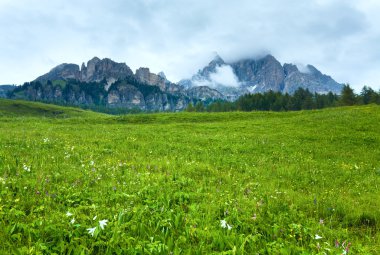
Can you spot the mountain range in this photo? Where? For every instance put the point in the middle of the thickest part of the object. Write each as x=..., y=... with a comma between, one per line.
x=111, y=84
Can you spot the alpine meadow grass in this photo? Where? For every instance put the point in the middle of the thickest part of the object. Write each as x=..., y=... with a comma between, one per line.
x=78, y=182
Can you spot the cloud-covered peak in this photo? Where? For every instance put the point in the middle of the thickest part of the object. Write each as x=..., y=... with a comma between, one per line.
x=225, y=76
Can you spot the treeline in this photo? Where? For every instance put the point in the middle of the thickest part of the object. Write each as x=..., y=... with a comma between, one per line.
x=302, y=99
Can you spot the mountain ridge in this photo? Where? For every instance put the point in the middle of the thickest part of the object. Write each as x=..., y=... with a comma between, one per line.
x=112, y=84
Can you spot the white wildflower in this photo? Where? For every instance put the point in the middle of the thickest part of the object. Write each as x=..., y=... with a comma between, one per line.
x=317, y=237
x=103, y=223
x=229, y=227
x=94, y=217
x=72, y=221
x=223, y=223
x=26, y=168
x=68, y=214
x=91, y=231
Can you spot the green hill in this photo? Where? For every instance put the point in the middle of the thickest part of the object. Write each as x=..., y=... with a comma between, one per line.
x=20, y=108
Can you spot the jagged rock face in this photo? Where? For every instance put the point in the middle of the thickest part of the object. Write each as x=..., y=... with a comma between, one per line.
x=203, y=93
x=145, y=76
x=162, y=75
x=211, y=67
x=313, y=80
x=61, y=72
x=98, y=70
x=260, y=75
x=289, y=69
x=126, y=96
x=55, y=94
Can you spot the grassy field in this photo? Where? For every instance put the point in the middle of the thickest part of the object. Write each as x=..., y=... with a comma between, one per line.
x=77, y=182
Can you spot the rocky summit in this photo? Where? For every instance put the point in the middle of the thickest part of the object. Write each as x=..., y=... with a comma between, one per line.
x=262, y=75
x=95, y=71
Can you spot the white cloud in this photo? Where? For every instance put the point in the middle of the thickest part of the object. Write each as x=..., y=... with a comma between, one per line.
x=339, y=37
x=225, y=76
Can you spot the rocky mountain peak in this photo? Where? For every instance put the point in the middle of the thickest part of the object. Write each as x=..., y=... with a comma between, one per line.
x=211, y=67
x=93, y=61
x=96, y=70
x=162, y=75
x=61, y=72
x=258, y=75
x=217, y=61
x=313, y=70
x=289, y=69
x=144, y=75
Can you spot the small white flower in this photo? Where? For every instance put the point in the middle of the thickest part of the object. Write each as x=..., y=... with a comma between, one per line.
x=317, y=237
x=68, y=214
x=103, y=223
x=223, y=223
x=229, y=227
x=91, y=231
x=94, y=217
x=26, y=168
x=92, y=162
x=72, y=221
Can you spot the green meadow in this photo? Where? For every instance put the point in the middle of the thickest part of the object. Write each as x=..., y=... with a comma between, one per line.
x=79, y=182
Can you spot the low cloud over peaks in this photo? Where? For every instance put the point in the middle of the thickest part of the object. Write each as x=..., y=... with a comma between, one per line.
x=225, y=76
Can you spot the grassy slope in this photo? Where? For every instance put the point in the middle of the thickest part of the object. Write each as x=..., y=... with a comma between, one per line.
x=20, y=108
x=164, y=182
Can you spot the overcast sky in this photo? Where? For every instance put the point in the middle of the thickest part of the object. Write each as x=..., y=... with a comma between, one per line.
x=340, y=37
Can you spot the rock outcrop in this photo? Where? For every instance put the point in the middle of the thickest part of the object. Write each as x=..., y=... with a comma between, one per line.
x=260, y=75
x=145, y=76
x=95, y=71
x=204, y=93
x=312, y=79
x=61, y=72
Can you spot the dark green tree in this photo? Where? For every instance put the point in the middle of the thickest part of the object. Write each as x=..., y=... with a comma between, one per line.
x=368, y=95
x=199, y=107
x=348, y=96
x=190, y=108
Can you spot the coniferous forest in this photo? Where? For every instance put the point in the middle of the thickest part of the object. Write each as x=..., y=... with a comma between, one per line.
x=302, y=99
